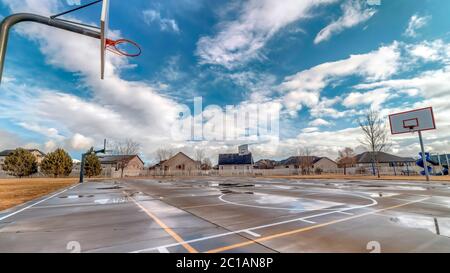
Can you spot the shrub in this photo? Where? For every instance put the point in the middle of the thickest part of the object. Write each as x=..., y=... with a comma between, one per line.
x=20, y=163
x=92, y=166
x=57, y=163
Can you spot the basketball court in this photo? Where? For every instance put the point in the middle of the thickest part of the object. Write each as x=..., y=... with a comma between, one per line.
x=233, y=215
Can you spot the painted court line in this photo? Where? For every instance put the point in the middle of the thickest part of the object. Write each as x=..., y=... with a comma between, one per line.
x=346, y=213
x=254, y=234
x=37, y=203
x=278, y=235
x=166, y=229
x=204, y=206
x=307, y=221
x=257, y=227
x=163, y=250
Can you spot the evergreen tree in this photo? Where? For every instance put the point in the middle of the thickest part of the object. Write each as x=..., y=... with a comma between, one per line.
x=57, y=163
x=20, y=163
x=92, y=166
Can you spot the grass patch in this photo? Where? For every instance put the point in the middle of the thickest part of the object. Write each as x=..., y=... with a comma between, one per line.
x=14, y=192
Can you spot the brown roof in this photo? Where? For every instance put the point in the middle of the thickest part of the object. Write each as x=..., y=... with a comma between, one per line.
x=113, y=159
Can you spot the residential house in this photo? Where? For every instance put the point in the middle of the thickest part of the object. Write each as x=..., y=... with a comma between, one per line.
x=388, y=163
x=308, y=164
x=37, y=153
x=179, y=164
x=265, y=164
x=236, y=164
x=121, y=165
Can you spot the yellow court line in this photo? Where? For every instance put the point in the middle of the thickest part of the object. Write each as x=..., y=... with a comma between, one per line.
x=278, y=235
x=167, y=229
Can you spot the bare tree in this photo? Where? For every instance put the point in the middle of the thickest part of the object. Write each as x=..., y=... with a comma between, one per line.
x=304, y=160
x=375, y=136
x=346, y=158
x=124, y=148
x=199, y=155
x=206, y=164
x=163, y=154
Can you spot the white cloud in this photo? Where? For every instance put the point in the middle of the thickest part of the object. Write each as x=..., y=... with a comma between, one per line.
x=319, y=122
x=304, y=87
x=45, y=131
x=432, y=51
x=374, y=98
x=416, y=22
x=80, y=142
x=310, y=129
x=242, y=39
x=354, y=13
x=165, y=24
x=429, y=83
x=73, y=2
x=50, y=146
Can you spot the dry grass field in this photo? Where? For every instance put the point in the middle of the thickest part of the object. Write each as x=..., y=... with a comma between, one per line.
x=17, y=191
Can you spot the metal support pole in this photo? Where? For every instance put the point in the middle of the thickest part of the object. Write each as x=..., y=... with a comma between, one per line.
x=440, y=165
x=83, y=158
x=83, y=162
x=424, y=158
x=436, y=224
x=11, y=20
x=448, y=165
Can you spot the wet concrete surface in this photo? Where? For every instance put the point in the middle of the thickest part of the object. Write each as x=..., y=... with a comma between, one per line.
x=233, y=215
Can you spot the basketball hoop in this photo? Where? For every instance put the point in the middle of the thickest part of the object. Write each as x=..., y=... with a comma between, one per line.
x=411, y=129
x=112, y=46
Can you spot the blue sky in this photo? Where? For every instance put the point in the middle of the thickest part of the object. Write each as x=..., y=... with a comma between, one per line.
x=322, y=63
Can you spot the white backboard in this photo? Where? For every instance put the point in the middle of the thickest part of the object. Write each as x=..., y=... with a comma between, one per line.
x=104, y=20
x=412, y=121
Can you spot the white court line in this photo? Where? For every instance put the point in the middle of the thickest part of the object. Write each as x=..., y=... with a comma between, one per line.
x=221, y=198
x=346, y=213
x=254, y=234
x=163, y=250
x=306, y=221
x=423, y=202
x=36, y=203
x=374, y=202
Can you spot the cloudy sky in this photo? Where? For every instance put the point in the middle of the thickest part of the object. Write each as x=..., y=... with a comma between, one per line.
x=322, y=63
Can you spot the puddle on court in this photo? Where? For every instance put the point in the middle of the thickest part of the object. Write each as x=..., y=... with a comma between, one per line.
x=110, y=188
x=273, y=201
x=76, y=196
x=423, y=222
x=381, y=194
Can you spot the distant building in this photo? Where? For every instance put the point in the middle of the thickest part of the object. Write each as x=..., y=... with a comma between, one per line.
x=384, y=159
x=177, y=164
x=234, y=164
x=309, y=164
x=112, y=165
x=265, y=164
x=365, y=162
x=37, y=153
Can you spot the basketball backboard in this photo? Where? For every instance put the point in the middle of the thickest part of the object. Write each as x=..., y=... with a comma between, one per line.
x=104, y=20
x=412, y=121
